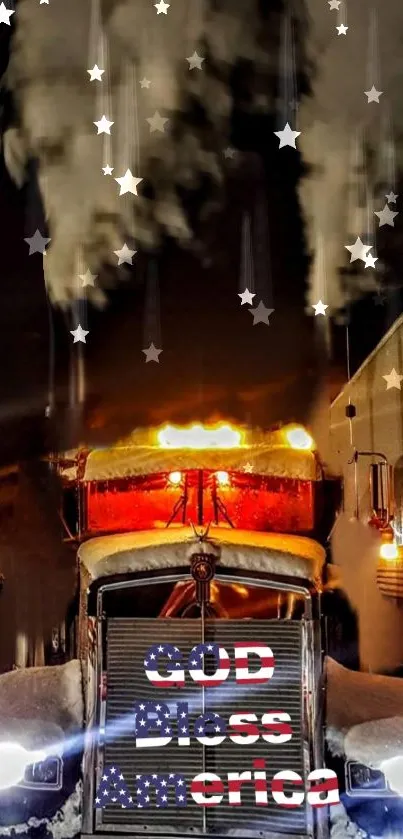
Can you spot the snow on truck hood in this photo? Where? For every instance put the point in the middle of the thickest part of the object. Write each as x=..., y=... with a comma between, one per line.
x=293, y=556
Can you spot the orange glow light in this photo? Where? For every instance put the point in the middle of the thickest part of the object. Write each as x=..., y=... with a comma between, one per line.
x=222, y=479
x=298, y=438
x=198, y=436
x=175, y=478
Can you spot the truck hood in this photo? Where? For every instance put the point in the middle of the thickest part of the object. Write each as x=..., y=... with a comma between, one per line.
x=293, y=556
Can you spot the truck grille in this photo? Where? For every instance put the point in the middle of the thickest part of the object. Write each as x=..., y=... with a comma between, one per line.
x=127, y=643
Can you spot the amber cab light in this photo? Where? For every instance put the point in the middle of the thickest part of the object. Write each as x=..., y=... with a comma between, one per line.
x=175, y=478
x=389, y=550
x=198, y=436
x=297, y=438
x=222, y=479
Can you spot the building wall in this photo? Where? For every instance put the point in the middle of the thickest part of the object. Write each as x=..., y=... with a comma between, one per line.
x=378, y=426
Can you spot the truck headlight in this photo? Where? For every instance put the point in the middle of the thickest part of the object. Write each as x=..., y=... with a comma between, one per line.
x=392, y=768
x=14, y=760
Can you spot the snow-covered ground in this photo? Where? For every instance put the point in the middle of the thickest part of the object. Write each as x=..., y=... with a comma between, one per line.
x=65, y=824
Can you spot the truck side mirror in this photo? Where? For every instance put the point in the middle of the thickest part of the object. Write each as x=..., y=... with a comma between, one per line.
x=381, y=490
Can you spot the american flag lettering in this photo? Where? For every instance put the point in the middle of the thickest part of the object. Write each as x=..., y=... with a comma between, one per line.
x=207, y=788
x=210, y=724
x=207, y=784
x=183, y=724
x=160, y=723
x=242, y=650
x=329, y=785
x=154, y=728
x=176, y=675
x=277, y=789
x=196, y=662
x=113, y=790
x=145, y=784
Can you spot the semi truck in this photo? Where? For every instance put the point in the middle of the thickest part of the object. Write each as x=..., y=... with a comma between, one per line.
x=208, y=541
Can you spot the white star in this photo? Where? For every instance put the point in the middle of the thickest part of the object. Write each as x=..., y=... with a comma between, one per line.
x=195, y=61
x=107, y=170
x=157, y=122
x=373, y=94
x=358, y=250
x=342, y=29
x=246, y=297
x=370, y=261
x=5, y=14
x=391, y=197
x=229, y=153
x=334, y=4
x=37, y=243
x=287, y=136
x=386, y=216
x=320, y=308
x=248, y=467
x=96, y=74
x=261, y=314
x=393, y=380
x=128, y=183
x=104, y=125
x=88, y=278
x=79, y=335
x=161, y=7
x=145, y=83
x=125, y=255
x=152, y=353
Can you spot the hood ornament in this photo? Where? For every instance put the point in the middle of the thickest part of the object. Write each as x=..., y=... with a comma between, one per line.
x=202, y=566
x=202, y=536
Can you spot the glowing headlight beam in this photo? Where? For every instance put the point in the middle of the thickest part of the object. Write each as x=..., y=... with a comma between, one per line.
x=126, y=724
x=392, y=768
x=14, y=760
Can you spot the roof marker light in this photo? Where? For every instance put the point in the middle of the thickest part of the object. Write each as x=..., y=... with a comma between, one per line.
x=298, y=438
x=198, y=436
x=175, y=478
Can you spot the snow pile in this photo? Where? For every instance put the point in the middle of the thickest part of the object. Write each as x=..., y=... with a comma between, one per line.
x=65, y=824
x=50, y=694
x=354, y=698
x=373, y=742
x=341, y=826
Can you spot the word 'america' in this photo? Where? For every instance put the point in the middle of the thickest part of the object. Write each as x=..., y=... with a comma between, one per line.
x=207, y=788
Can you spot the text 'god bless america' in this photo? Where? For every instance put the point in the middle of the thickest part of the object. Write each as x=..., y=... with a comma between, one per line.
x=156, y=724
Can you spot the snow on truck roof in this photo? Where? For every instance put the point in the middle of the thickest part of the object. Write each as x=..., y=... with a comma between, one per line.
x=125, y=461
x=285, y=555
x=286, y=452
